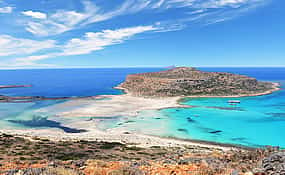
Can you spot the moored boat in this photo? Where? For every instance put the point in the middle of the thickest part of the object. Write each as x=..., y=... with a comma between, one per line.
x=233, y=101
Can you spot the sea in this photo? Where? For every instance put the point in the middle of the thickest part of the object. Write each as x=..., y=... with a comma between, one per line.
x=255, y=122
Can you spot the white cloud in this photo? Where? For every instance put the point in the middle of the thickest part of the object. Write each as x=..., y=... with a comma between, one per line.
x=180, y=3
x=46, y=28
x=92, y=41
x=158, y=4
x=223, y=3
x=63, y=21
x=68, y=18
x=97, y=41
x=31, y=59
x=6, y=9
x=56, y=23
x=17, y=46
x=37, y=15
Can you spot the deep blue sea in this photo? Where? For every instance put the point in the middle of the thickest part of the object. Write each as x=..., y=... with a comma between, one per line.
x=256, y=121
x=67, y=82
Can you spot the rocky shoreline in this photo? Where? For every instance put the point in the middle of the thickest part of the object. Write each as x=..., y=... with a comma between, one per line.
x=275, y=87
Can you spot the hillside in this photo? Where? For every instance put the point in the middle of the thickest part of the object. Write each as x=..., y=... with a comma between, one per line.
x=40, y=156
x=187, y=81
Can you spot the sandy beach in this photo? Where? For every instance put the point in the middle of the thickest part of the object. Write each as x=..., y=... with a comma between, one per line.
x=114, y=105
x=121, y=136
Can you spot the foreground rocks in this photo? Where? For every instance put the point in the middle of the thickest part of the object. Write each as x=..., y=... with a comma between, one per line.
x=274, y=164
x=185, y=81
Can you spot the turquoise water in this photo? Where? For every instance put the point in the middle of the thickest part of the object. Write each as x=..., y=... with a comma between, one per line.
x=256, y=121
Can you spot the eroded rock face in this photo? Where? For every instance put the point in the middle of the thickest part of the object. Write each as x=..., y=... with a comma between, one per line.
x=185, y=81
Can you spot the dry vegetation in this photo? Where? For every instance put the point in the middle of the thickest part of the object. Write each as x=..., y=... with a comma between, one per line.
x=19, y=156
x=185, y=81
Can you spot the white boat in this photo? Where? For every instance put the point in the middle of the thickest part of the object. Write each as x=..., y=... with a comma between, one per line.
x=233, y=101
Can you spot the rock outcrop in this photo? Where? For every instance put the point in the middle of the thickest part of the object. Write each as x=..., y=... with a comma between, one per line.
x=186, y=81
x=274, y=164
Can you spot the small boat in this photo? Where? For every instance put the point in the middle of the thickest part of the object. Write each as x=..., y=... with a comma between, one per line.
x=233, y=101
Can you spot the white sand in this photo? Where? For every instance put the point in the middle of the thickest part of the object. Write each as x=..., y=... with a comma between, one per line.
x=117, y=105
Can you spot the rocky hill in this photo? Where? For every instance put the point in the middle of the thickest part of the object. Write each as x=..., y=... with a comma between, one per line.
x=187, y=81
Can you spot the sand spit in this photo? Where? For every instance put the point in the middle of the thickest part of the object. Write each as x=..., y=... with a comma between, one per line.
x=128, y=105
x=116, y=105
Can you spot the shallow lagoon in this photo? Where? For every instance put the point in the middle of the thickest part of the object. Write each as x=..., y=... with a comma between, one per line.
x=256, y=121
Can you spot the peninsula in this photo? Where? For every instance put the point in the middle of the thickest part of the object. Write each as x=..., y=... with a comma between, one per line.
x=164, y=89
x=187, y=81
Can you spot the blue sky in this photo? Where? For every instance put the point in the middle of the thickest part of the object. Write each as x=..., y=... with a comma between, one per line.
x=141, y=33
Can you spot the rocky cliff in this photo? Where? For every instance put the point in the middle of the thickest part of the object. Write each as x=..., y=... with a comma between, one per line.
x=186, y=81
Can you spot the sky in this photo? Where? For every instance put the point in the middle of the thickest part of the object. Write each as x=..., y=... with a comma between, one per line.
x=141, y=33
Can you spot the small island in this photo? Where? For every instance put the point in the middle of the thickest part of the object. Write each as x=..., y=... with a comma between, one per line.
x=188, y=81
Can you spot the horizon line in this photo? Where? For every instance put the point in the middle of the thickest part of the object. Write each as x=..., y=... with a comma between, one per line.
x=110, y=67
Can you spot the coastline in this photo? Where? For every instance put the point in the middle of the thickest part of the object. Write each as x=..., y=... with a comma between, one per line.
x=121, y=105
x=124, y=137
x=275, y=87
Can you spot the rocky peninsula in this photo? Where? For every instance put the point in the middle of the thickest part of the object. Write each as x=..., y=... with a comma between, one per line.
x=188, y=81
